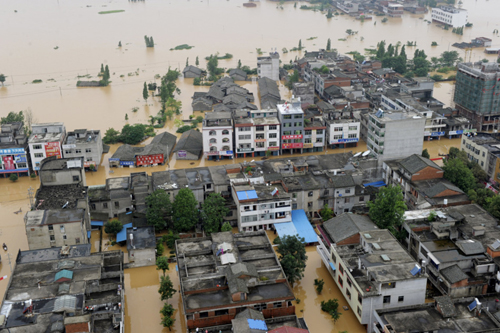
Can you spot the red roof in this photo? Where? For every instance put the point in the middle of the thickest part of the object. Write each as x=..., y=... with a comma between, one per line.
x=77, y=328
x=288, y=329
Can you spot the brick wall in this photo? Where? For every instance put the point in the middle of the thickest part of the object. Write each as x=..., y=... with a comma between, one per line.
x=427, y=173
x=351, y=240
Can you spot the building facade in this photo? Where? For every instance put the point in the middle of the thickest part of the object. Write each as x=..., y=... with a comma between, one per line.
x=13, y=150
x=269, y=66
x=291, y=118
x=454, y=17
x=84, y=143
x=342, y=133
x=46, y=140
x=218, y=135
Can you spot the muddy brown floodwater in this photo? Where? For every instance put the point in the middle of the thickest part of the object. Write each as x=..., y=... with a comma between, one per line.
x=45, y=41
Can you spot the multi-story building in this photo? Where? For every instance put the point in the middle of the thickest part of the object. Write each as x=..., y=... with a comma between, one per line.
x=314, y=135
x=372, y=270
x=13, y=150
x=393, y=134
x=65, y=289
x=477, y=94
x=269, y=66
x=342, y=132
x=450, y=16
x=60, y=214
x=304, y=91
x=244, y=137
x=45, y=141
x=267, y=135
x=291, y=118
x=394, y=9
x=259, y=207
x=483, y=148
x=218, y=135
x=225, y=273
x=347, y=7
x=84, y=143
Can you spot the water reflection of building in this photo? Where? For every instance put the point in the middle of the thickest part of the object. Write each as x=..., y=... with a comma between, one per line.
x=224, y=274
x=65, y=289
x=477, y=94
x=13, y=150
x=45, y=141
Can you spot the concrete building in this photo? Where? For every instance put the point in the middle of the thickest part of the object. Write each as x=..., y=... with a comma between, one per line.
x=218, y=135
x=65, y=289
x=314, y=134
x=291, y=118
x=305, y=92
x=223, y=275
x=190, y=146
x=192, y=72
x=395, y=133
x=13, y=150
x=269, y=66
x=269, y=93
x=373, y=272
x=84, y=143
x=259, y=207
x=465, y=315
x=256, y=136
x=348, y=7
x=477, y=94
x=482, y=149
x=61, y=210
x=450, y=16
x=342, y=132
x=45, y=141
x=141, y=246
x=394, y=9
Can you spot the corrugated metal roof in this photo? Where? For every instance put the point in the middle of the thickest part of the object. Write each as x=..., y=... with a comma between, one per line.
x=63, y=274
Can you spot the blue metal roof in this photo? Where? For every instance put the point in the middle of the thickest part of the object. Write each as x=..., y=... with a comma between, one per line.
x=63, y=274
x=255, y=324
x=97, y=223
x=122, y=235
x=332, y=266
x=299, y=226
x=380, y=183
x=246, y=195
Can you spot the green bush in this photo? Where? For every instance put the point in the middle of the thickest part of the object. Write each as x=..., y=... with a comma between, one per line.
x=199, y=119
x=183, y=129
x=13, y=177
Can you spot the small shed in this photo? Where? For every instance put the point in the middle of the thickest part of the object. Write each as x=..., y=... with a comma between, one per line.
x=190, y=146
x=63, y=276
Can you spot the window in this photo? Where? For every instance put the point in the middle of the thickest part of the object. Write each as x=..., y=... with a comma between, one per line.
x=260, y=307
x=213, y=140
x=387, y=299
x=353, y=128
x=67, y=151
x=273, y=135
x=51, y=227
x=245, y=137
x=294, y=206
x=346, y=200
x=52, y=238
x=310, y=194
x=62, y=229
x=359, y=311
x=38, y=155
x=287, y=116
x=336, y=137
x=76, y=178
x=287, y=132
x=482, y=163
x=273, y=144
x=297, y=116
x=298, y=124
x=225, y=132
x=77, y=240
x=320, y=131
x=104, y=205
x=307, y=132
x=259, y=128
x=349, y=282
x=273, y=127
x=92, y=206
x=211, y=133
x=348, y=294
x=277, y=305
x=360, y=299
x=361, y=199
x=319, y=140
x=325, y=202
x=245, y=129
x=88, y=150
x=309, y=204
x=337, y=129
x=401, y=299
x=260, y=136
x=341, y=282
x=225, y=140
x=341, y=269
x=89, y=159
x=221, y=312
x=37, y=147
x=65, y=237
x=78, y=151
x=352, y=136
x=117, y=204
x=203, y=314
x=347, y=191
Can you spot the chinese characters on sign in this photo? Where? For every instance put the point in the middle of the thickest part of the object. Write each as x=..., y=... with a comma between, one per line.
x=149, y=159
x=295, y=136
x=53, y=149
x=292, y=145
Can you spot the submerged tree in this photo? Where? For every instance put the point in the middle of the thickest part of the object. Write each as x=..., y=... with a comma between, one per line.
x=292, y=256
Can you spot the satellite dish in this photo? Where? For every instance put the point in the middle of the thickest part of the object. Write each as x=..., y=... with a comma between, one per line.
x=357, y=154
x=366, y=153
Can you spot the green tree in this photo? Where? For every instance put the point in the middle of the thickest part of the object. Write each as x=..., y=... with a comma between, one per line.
x=326, y=213
x=13, y=117
x=493, y=206
x=387, y=211
x=459, y=174
x=403, y=53
x=332, y=308
x=318, y=284
x=145, y=92
x=102, y=69
x=185, y=212
x=120, y=44
x=481, y=196
x=226, y=227
x=13, y=177
x=113, y=227
x=106, y=72
x=239, y=63
x=329, y=44
x=170, y=239
x=212, y=65
x=449, y=58
x=159, y=208
x=197, y=62
x=213, y=211
x=111, y=136
x=166, y=289
x=292, y=79
x=292, y=256
x=479, y=174
x=187, y=61
x=2, y=78
x=300, y=44
x=167, y=319
x=425, y=153
x=133, y=134
x=159, y=249
x=329, y=14
x=380, y=50
x=126, y=116
x=457, y=153
x=162, y=264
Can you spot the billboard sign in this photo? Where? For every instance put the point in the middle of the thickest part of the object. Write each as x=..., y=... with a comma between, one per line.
x=288, y=137
x=12, y=151
x=8, y=162
x=53, y=149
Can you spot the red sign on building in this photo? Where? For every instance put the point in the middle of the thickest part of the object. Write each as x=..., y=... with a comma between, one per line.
x=8, y=162
x=292, y=145
x=149, y=159
x=53, y=149
x=295, y=136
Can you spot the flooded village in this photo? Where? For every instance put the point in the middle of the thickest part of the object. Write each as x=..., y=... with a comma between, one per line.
x=233, y=166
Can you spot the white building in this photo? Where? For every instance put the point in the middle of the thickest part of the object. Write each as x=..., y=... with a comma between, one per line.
x=84, y=143
x=343, y=132
x=455, y=17
x=372, y=270
x=218, y=135
x=260, y=206
x=269, y=66
x=45, y=141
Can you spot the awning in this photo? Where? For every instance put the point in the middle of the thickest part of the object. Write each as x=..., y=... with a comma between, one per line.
x=380, y=183
x=88, y=234
x=97, y=223
x=122, y=235
x=299, y=226
x=332, y=267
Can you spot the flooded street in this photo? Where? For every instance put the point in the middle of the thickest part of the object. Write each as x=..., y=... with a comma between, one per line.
x=58, y=40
